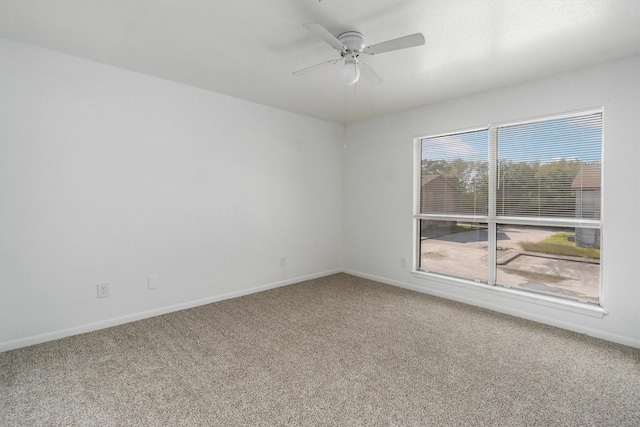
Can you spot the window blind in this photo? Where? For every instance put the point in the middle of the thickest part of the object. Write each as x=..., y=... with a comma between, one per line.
x=454, y=174
x=550, y=168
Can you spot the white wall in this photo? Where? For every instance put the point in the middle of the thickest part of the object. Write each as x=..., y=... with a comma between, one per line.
x=109, y=175
x=378, y=202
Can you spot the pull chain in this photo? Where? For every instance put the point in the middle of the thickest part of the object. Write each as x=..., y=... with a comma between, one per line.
x=344, y=123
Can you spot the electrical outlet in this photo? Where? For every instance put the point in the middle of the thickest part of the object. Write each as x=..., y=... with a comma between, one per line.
x=103, y=290
x=283, y=261
x=403, y=263
x=152, y=282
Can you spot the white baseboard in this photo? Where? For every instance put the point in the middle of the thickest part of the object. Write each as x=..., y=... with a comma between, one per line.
x=81, y=329
x=619, y=339
x=76, y=330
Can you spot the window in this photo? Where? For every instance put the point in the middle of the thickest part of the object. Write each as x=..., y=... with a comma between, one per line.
x=515, y=205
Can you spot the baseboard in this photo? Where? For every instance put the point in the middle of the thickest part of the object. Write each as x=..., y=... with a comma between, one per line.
x=81, y=329
x=607, y=336
x=76, y=330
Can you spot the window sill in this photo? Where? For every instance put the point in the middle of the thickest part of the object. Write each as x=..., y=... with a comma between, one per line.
x=516, y=294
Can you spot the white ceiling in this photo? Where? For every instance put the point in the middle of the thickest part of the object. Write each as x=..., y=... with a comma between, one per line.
x=249, y=48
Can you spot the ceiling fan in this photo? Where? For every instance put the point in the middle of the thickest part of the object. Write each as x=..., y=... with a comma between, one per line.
x=351, y=45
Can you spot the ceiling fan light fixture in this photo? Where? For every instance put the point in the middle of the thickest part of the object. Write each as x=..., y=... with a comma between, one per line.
x=351, y=45
x=350, y=70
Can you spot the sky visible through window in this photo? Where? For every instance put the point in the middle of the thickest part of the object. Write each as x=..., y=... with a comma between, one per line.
x=467, y=146
x=568, y=138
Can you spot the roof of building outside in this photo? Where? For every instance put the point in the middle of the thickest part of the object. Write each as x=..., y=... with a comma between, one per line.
x=589, y=177
x=427, y=178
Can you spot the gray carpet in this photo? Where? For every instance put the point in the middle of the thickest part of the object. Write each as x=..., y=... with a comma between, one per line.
x=338, y=351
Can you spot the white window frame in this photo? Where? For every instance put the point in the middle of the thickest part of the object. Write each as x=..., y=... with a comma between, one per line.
x=492, y=220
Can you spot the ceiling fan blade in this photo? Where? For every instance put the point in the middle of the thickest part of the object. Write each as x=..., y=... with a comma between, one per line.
x=369, y=74
x=412, y=40
x=325, y=35
x=315, y=67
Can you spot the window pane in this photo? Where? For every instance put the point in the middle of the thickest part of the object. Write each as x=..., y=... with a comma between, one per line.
x=454, y=248
x=550, y=168
x=551, y=260
x=455, y=174
x=543, y=172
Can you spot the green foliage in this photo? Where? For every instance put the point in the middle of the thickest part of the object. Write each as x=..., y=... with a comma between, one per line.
x=524, y=188
x=559, y=244
x=468, y=179
x=537, y=189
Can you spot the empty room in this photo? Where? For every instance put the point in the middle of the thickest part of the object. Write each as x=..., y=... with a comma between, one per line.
x=319, y=212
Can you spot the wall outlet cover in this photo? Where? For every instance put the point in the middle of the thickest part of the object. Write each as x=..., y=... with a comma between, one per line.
x=152, y=282
x=103, y=289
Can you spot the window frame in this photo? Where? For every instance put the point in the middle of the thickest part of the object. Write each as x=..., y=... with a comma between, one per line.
x=493, y=220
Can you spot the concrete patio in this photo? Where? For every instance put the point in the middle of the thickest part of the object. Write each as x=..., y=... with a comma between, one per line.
x=571, y=277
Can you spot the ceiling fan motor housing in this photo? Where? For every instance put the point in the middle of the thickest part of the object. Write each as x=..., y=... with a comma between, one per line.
x=354, y=42
x=351, y=44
